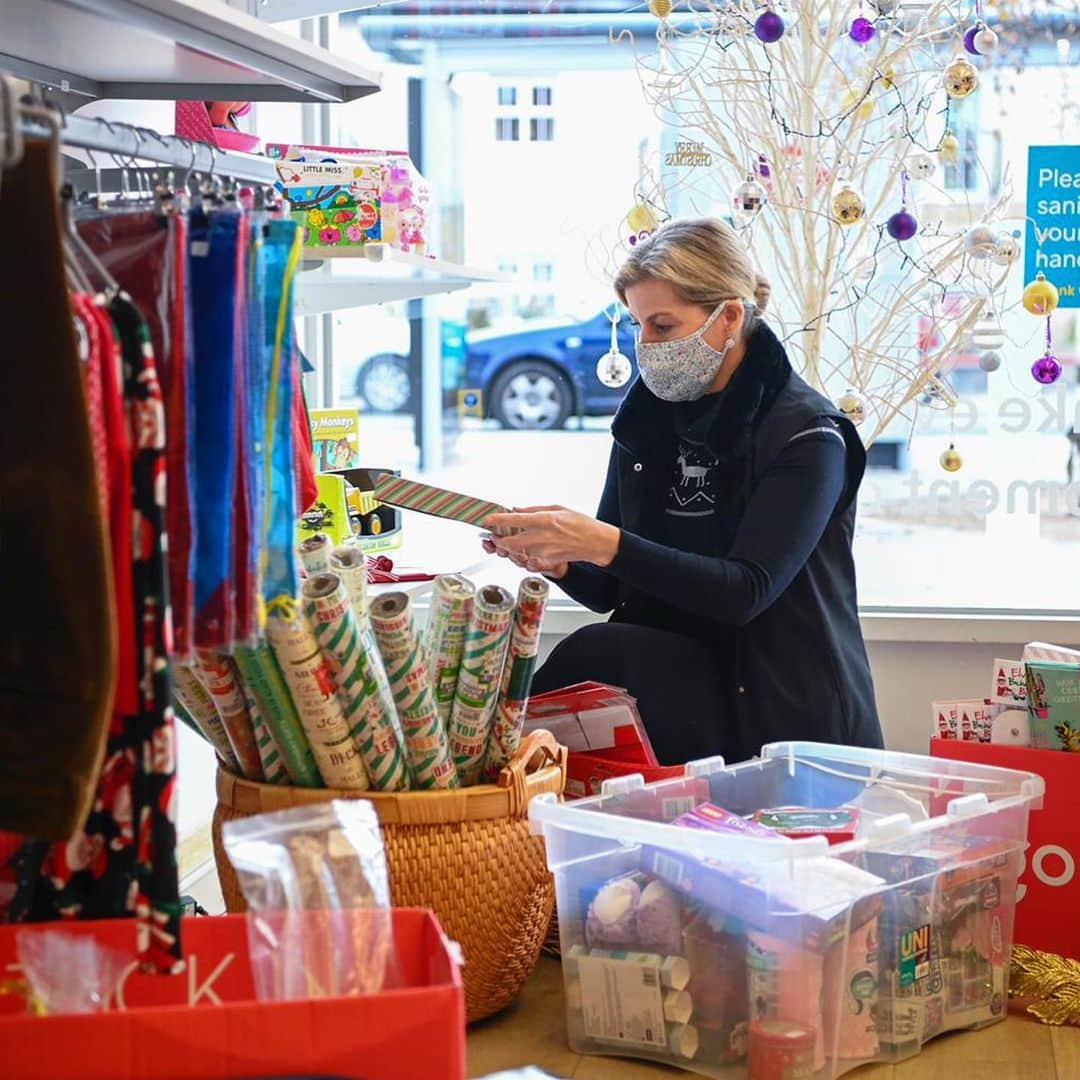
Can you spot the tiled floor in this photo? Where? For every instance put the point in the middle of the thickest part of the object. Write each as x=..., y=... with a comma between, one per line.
x=533, y=1033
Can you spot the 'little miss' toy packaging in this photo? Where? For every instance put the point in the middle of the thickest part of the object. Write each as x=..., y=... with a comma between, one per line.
x=336, y=203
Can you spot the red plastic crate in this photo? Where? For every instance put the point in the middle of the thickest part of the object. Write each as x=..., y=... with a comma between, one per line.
x=206, y=1025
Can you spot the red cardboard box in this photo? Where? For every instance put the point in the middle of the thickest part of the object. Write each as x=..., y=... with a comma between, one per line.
x=1048, y=896
x=206, y=1025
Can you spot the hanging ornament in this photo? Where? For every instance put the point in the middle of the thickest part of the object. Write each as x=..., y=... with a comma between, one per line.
x=902, y=225
x=862, y=30
x=987, y=332
x=614, y=369
x=990, y=360
x=747, y=200
x=949, y=148
x=1006, y=249
x=1047, y=369
x=1041, y=296
x=950, y=460
x=642, y=219
x=884, y=7
x=921, y=166
x=852, y=406
x=847, y=205
x=985, y=41
x=861, y=104
x=969, y=40
x=769, y=27
x=961, y=78
x=661, y=9
x=979, y=241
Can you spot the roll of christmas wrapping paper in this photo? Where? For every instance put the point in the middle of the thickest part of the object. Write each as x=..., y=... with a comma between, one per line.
x=192, y=695
x=217, y=673
x=426, y=744
x=486, y=640
x=314, y=692
x=315, y=553
x=272, y=764
x=263, y=677
x=365, y=698
x=517, y=675
x=444, y=638
x=350, y=564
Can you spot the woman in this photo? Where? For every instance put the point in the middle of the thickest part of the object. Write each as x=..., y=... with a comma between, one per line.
x=723, y=539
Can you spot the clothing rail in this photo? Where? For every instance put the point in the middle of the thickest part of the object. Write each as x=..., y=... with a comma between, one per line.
x=133, y=144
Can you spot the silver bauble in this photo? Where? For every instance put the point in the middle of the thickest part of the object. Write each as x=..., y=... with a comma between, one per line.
x=985, y=41
x=921, y=167
x=747, y=200
x=613, y=369
x=990, y=360
x=987, y=332
x=980, y=241
x=1006, y=249
x=852, y=406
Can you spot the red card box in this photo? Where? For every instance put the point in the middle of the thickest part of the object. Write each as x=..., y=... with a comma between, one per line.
x=206, y=1024
x=1048, y=896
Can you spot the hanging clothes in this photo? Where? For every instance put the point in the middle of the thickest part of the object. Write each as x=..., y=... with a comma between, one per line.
x=57, y=640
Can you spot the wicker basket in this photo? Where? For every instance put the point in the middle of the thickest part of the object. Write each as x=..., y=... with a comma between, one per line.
x=467, y=854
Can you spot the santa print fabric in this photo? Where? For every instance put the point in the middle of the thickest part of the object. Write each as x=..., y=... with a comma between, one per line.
x=123, y=862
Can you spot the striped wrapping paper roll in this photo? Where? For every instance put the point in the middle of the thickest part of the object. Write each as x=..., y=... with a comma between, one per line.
x=217, y=673
x=444, y=638
x=368, y=704
x=192, y=695
x=425, y=737
x=314, y=692
x=413, y=495
x=486, y=641
x=263, y=678
x=315, y=553
x=517, y=675
x=350, y=564
x=272, y=765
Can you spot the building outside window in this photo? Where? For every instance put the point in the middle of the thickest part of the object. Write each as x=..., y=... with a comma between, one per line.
x=542, y=129
x=507, y=129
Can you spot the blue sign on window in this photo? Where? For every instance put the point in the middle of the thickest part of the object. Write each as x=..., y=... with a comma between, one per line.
x=1053, y=228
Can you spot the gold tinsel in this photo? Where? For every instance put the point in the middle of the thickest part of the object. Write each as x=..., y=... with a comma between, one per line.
x=1048, y=983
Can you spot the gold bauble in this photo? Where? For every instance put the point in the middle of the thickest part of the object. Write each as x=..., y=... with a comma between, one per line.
x=661, y=8
x=1041, y=296
x=861, y=106
x=848, y=206
x=642, y=219
x=961, y=78
x=949, y=148
x=950, y=460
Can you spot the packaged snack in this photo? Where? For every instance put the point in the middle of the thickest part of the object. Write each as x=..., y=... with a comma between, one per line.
x=716, y=952
x=781, y=1050
x=851, y=993
x=717, y=819
x=837, y=825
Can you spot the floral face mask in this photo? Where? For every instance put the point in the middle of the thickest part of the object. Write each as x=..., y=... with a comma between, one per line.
x=682, y=370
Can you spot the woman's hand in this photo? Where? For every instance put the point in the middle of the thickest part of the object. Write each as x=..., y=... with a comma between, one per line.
x=546, y=539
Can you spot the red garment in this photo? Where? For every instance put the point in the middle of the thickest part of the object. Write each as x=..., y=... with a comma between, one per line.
x=307, y=487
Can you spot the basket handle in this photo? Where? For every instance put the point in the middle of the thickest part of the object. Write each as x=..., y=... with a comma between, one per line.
x=537, y=749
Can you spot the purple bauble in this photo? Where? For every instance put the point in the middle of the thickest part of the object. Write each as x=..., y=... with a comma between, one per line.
x=902, y=225
x=969, y=41
x=862, y=30
x=769, y=27
x=1046, y=370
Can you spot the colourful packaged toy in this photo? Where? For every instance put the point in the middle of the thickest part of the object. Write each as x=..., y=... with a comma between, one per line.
x=337, y=203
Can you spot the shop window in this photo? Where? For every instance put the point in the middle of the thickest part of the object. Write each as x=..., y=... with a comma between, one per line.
x=542, y=129
x=507, y=129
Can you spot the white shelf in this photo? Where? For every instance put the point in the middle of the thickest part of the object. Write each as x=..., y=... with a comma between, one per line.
x=355, y=277
x=199, y=50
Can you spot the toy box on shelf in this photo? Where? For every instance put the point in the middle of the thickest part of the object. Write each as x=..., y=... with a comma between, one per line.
x=346, y=510
x=206, y=1024
x=346, y=197
x=734, y=951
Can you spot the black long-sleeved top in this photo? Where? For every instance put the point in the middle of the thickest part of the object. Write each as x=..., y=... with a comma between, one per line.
x=772, y=580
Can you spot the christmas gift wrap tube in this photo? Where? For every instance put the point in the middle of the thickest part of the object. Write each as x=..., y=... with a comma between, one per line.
x=263, y=677
x=192, y=695
x=366, y=700
x=425, y=737
x=272, y=764
x=315, y=553
x=350, y=564
x=217, y=673
x=517, y=674
x=486, y=641
x=444, y=638
x=314, y=692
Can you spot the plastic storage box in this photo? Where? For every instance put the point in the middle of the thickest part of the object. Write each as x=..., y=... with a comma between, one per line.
x=763, y=956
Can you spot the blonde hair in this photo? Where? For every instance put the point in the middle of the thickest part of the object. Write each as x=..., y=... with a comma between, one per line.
x=703, y=259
